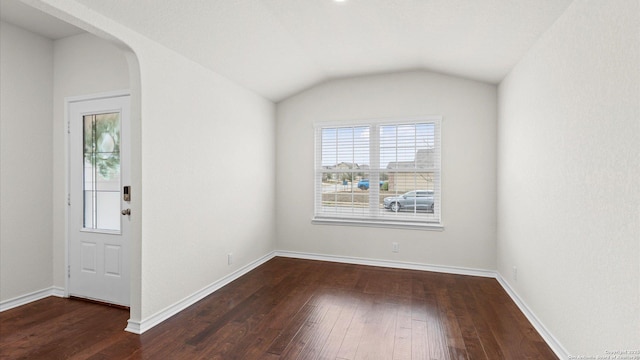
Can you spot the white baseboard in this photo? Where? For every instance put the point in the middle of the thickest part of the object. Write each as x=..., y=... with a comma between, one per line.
x=388, y=264
x=134, y=327
x=31, y=297
x=57, y=292
x=553, y=343
x=139, y=327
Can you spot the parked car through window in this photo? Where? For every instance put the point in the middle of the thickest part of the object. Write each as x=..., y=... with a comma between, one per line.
x=412, y=200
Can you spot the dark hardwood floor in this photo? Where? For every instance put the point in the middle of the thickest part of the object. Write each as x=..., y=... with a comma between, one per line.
x=294, y=309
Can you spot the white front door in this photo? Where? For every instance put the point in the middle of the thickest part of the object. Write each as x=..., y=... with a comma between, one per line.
x=99, y=164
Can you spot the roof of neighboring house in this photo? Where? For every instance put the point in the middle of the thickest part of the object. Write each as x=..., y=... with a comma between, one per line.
x=347, y=165
x=424, y=159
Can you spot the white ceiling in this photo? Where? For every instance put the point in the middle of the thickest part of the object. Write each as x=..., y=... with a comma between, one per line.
x=19, y=14
x=279, y=47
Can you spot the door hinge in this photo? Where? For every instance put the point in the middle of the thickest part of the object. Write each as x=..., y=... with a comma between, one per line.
x=68, y=127
x=69, y=271
x=68, y=199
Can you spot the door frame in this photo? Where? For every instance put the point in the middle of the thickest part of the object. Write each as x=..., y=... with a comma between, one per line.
x=67, y=128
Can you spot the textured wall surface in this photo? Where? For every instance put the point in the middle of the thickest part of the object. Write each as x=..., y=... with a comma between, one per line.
x=199, y=140
x=26, y=69
x=208, y=155
x=469, y=116
x=568, y=170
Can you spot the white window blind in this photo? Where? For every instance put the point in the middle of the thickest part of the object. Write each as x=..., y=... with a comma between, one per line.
x=382, y=172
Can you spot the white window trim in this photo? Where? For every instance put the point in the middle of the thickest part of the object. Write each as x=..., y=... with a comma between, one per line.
x=379, y=222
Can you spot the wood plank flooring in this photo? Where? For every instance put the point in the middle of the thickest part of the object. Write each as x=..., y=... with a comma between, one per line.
x=294, y=309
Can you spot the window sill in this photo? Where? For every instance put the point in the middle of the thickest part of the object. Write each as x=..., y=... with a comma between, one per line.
x=378, y=224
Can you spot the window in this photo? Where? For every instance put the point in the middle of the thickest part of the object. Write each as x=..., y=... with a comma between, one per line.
x=101, y=173
x=383, y=173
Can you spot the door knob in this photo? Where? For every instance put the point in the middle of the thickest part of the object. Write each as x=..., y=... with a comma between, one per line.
x=126, y=212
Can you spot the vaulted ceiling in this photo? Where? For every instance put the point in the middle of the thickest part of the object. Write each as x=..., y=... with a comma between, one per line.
x=17, y=13
x=279, y=47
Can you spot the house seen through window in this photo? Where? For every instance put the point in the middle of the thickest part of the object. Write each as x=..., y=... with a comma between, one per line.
x=379, y=172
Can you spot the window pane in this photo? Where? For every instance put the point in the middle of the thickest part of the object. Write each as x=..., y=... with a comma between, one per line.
x=88, y=222
x=401, y=182
x=409, y=194
x=406, y=160
x=347, y=147
x=102, y=171
x=344, y=193
x=407, y=146
x=108, y=210
x=329, y=147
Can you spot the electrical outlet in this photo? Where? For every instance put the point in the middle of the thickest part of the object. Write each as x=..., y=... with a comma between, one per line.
x=515, y=273
x=229, y=258
x=395, y=247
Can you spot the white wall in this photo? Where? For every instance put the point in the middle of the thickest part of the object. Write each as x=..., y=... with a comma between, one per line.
x=468, y=176
x=25, y=164
x=83, y=64
x=568, y=179
x=204, y=145
x=208, y=159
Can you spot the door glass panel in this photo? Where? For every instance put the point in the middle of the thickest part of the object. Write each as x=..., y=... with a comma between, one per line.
x=101, y=171
x=108, y=204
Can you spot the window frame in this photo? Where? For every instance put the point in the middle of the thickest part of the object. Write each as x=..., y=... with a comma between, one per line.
x=374, y=219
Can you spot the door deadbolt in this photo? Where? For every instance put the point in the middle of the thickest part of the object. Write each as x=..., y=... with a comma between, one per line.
x=126, y=212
